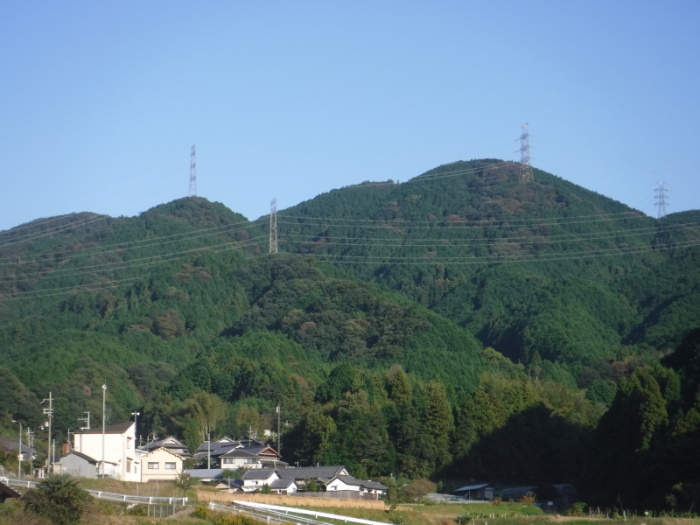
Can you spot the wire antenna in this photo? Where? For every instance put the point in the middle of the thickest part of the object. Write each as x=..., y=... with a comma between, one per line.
x=273, y=226
x=660, y=199
x=525, y=168
x=193, y=173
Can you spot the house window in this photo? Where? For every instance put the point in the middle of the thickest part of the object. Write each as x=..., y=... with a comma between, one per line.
x=228, y=461
x=250, y=461
x=153, y=465
x=169, y=465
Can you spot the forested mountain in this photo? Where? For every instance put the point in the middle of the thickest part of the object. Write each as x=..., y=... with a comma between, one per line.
x=460, y=324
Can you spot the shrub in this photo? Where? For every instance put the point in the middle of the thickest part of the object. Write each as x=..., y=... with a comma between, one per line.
x=59, y=499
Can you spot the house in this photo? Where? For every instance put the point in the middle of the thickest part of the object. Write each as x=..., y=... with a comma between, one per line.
x=254, y=454
x=171, y=443
x=251, y=458
x=300, y=475
x=256, y=479
x=476, y=491
x=13, y=446
x=372, y=489
x=117, y=445
x=161, y=464
x=83, y=466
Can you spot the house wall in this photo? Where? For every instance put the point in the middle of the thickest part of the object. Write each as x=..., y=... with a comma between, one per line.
x=234, y=463
x=250, y=485
x=77, y=467
x=160, y=465
x=338, y=484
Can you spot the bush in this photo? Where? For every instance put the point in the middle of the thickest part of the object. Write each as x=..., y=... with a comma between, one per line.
x=577, y=509
x=59, y=499
x=419, y=488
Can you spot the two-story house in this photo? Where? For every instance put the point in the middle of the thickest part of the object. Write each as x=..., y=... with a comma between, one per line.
x=114, y=450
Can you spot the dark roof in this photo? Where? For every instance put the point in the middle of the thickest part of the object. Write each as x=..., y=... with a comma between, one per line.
x=477, y=486
x=119, y=428
x=281, y=484
x=259, y=473
x=169, y=443
x=7, y=492
x=11, y=445
x=250, y=452
x=302, y=473
x=225, y=445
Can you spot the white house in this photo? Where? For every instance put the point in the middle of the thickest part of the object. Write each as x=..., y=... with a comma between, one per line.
x=350, y=483
x=161, y=464
x=116, y=445
x=256, y=479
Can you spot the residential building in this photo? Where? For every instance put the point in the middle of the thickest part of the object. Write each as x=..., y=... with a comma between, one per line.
x=161, y=464
x=116, y=445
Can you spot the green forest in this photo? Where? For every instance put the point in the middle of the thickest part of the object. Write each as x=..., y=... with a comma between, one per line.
x=458, y=326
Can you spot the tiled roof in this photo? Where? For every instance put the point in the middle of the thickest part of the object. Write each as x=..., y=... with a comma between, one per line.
x=281, y=484
x=258, y=473
x=301, y=473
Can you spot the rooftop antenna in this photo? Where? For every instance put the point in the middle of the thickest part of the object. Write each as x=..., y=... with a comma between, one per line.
x=273, y=226
x=525, y=168
x=193, y=172
x=85, y=419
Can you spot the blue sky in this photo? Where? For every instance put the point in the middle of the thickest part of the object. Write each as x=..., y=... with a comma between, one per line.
x=100, y=102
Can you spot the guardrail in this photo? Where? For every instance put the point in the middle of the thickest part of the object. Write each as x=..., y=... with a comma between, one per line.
x=266, y=515
x=110, y=496
x=291, y=512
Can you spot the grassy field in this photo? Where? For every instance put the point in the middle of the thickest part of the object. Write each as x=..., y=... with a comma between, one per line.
x=404, y=514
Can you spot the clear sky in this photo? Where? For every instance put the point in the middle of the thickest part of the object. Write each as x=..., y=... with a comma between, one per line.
x=100, y=102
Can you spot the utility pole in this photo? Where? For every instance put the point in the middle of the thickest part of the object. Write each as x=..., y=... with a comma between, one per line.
x=660, y=199
x=19, y=453
x=525, y=168
x=273, y=226
x=30, y=442
x=104, y=420
x=279, y=435
x=193, y=172
x=49, y=412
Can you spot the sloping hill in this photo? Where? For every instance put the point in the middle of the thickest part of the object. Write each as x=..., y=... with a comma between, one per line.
x=538, y=270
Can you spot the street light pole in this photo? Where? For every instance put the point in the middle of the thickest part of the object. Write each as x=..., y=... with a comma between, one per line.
x=19, y=454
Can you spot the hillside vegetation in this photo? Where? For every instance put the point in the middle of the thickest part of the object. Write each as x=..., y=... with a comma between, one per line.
x=461, y=325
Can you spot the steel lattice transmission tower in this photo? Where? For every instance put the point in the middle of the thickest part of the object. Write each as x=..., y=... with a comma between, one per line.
x=525, y=168
x=193, y=173
x=273, y=226
x=660, y=199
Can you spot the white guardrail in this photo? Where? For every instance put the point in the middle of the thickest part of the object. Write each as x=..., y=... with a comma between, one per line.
x=291, y=512
x=110, y=496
